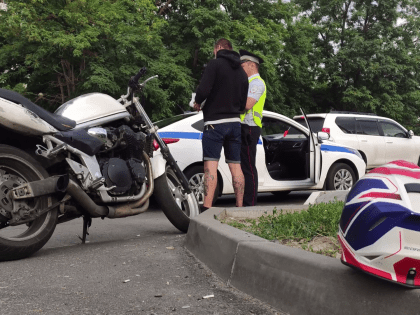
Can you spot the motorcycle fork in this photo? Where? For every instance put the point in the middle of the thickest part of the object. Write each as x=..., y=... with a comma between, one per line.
x=163, y=147
x=172, y=164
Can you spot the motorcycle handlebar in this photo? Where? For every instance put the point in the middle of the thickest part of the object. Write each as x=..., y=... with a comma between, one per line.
x=133, y=83
x=141, y=73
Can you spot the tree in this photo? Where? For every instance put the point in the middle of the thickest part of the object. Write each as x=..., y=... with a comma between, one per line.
x=262, y=27
x=366, y=56
x=65, y=48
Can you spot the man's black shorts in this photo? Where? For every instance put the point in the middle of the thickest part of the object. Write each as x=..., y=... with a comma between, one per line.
x=226, y=135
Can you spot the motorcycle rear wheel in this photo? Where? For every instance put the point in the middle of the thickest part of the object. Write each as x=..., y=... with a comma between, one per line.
x=178, y=208
x=17, y=242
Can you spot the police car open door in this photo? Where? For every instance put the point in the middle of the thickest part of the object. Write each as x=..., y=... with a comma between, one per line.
x=314, y=154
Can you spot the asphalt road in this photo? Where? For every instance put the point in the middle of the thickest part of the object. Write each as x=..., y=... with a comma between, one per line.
x=136, y=265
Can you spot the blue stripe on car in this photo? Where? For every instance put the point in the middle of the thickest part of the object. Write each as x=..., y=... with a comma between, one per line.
x=333, y=148
x=185, y=135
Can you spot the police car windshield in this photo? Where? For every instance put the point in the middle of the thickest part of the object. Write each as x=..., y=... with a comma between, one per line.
x=169, y=121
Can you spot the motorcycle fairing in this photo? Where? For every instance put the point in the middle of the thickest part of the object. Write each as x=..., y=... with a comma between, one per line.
x=59, y=122
x=81, y=140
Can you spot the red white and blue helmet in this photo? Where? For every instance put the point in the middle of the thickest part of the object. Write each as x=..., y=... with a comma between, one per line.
x=379, y=228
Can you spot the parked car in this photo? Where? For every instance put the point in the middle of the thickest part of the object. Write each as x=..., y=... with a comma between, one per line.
x=289, y=156
x=379, y=140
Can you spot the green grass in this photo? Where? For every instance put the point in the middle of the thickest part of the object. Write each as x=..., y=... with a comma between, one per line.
x=318, y=220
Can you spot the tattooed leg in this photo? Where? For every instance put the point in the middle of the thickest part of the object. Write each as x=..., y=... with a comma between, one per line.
x=210, y=182
x=238, y=181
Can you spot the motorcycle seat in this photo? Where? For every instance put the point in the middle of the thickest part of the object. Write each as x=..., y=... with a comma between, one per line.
x=58, y=122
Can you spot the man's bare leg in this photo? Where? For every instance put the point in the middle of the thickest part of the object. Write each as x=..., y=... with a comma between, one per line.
x=238, y=182
x=210, y=182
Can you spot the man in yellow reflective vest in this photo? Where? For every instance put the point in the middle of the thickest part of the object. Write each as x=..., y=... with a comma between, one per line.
x=251, y=124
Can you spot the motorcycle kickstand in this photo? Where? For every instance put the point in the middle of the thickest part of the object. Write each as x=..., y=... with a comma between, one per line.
x=87, y=222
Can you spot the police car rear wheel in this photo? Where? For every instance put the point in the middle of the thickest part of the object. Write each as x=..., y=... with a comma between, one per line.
x=195, y=177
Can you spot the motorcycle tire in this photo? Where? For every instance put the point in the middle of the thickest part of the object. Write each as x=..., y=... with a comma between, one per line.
x=176, y=207
x=21, y=241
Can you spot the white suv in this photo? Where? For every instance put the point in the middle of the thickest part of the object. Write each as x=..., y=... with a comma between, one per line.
x=380, y=140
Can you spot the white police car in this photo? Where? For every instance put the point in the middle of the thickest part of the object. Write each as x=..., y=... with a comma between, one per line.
x=289, y=156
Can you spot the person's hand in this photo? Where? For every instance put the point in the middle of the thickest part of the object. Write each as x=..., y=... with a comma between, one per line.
x=197, y=107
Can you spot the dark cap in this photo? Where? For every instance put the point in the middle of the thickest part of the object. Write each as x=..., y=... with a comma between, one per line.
x=247, y=56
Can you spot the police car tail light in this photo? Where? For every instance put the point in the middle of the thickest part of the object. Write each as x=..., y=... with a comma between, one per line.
x=166, y=140
x=327, y=130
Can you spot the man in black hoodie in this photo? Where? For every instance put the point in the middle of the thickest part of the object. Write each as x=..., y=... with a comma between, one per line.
x=224, y=88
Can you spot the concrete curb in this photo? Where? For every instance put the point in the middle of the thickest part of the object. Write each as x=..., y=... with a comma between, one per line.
x=326, y=196
x=292, y=280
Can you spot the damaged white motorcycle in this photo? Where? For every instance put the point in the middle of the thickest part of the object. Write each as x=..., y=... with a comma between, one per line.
x=95, y=157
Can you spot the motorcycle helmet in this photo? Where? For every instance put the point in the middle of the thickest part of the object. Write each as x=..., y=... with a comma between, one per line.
x=379, y=229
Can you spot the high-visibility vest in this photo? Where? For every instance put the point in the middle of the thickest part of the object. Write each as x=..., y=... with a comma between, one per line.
x=257, y=109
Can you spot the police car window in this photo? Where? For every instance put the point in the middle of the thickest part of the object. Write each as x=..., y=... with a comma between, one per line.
x=316, y=123
x=392, y=130
x=367, y=127
x=198, y=125
x=346, y=124
x=274, y=128
x=168, y=121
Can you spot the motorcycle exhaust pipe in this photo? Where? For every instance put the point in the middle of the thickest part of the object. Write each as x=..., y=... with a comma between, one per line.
x=41, y=187
x=96, y=211
x=85, y=201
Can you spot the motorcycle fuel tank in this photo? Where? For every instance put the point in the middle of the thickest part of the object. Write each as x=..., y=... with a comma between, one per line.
x=92, y=110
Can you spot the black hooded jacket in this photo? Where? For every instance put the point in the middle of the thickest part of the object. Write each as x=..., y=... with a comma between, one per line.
x=224, y=86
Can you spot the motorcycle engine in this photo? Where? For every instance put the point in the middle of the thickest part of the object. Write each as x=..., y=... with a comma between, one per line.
x=117, y=174
x=126, y=170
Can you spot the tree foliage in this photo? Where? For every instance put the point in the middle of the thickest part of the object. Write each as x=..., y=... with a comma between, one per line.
x=263, y=27
x=366, y=55
x=66, y=48
x=352, y=55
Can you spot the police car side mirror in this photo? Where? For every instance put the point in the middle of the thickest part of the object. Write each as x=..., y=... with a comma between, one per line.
x=322, y=136
x=411, y=134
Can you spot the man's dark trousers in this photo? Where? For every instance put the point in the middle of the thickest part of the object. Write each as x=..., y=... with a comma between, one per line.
x=250, y=137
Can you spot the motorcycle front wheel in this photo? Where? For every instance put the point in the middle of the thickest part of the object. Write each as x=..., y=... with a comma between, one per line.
x=16, y=242
x=176, y=206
